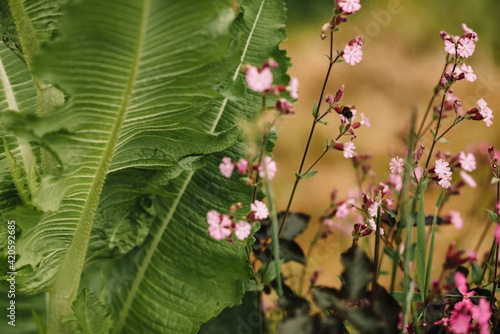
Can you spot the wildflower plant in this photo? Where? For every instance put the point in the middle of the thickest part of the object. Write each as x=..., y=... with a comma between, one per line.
x=137, y=171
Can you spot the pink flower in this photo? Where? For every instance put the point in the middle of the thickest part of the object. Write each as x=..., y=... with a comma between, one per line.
x=352, y=53
x=396, y=180
x=460, y=318
x=342, y=211
x=468, y=72
x=487, y=113
x=349, y=6
x=482, y=314
x=242, y=230
x=365, y=120
x=468, y=179
x=397, y=165
x=221, y=229
x=465, y=47
x=461, y=282
x=331, y=223
x=373, y=225
x=242, y=166
x=456, y=219
x=294, y=88
x=226, y=167
x=259, y=210
x=443, y=171
x=467, y=161
x=284, y=107
x=270, y=166
x=450, y=44
x=468, y=30
x=213, y=217
x=349, y=149
x=259, y=81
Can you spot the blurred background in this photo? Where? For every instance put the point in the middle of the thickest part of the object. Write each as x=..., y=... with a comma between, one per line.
x=403, y=58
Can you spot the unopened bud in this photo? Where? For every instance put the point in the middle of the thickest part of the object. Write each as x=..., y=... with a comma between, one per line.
x=327, y=26
x=419, y=153
x=338, y=109
x=458, y=108
x=472, y=111
x=477, y=117
x=339, y=94
x=355, y=125
x=444, y=35
x=491, y=152
x=329, y=99
x=366, y=232
x=270, y=63
x=339, y=146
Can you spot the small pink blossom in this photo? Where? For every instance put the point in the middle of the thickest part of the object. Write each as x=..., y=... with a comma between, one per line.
x=469, y=180
x=242, y=166
x=349, y=6
x=445, y=182
x=482, y=314
x=468, y=72
x=259, y=81
x=259, y=210
x=270, y=166
x=373, y=225
x=349, y=149
x=372, y=209
x=487, y=114
x=221, y=230
x=294, y=88
x=342, y=210
x=468, y=30
x=467, y=161
x=396, y=165
x=396, y=180
x=450, y=45
x=460, y=318
x=213, y=217
x=461, y=282
x=352, y=53
x=443, y=171
x=226, y=167
x=365, y=120
x=456, y=219
x=465, y=47
x=330, y=223
x=242, y=230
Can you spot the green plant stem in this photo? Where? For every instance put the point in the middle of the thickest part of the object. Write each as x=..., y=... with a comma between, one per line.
x=311, y=132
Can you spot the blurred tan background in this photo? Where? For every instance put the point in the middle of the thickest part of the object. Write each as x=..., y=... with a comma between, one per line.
x=403, y=58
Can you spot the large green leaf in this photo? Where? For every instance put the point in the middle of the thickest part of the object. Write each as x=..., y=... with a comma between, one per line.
x=139, y=78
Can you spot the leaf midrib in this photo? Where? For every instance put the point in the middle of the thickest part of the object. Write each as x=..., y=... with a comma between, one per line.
x=68, y=280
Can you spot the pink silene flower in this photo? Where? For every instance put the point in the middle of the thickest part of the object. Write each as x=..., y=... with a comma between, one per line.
x=442, y=168
x=470, y=31
x=242, y=166
x=259, y=81
x=467, y=161
x=349, y=6
x=259, y=210
x=482, y=314
x=396, y=165
x=450, y=45
x=221, y=230
x=468, y=179
x=270, y=166
x=353, y=53
x=242, y=230
x=445, y=182
x=461, y=282
x=468, y=72
x=372, y=209
x=465, y=47
x=456, y=219
x=213, y=217
x=460, y=318
x=294, y=88
x=397, y=181
x=487, y=114
x=365, y=120
x=330, y=223
x=497, y=233
x=342, y=210
x=226, y=167
x=349, y=149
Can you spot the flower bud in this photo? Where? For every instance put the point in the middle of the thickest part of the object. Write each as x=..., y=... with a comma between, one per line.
x=284, y=107
x=327, y=26
x=491, y=152
x=339, y=146
x=270, y=63
x=473, y=111
x=338, y=110
x=355, y=125
x=458, y=108
x=339, y=94
x=477, y=117
x=419, y=153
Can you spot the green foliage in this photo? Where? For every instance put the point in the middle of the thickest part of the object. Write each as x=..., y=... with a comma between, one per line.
x=123, y=172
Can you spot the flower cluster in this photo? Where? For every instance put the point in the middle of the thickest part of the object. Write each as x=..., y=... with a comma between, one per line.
x=244, y=167
x=443, y=170
x=348, y=125
x=222, y=226
x=342, y=9
x=463, y=46
x=466, y=317
x=261, y=80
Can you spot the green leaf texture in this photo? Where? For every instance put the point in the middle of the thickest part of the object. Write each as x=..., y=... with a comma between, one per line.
x=153, y=102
